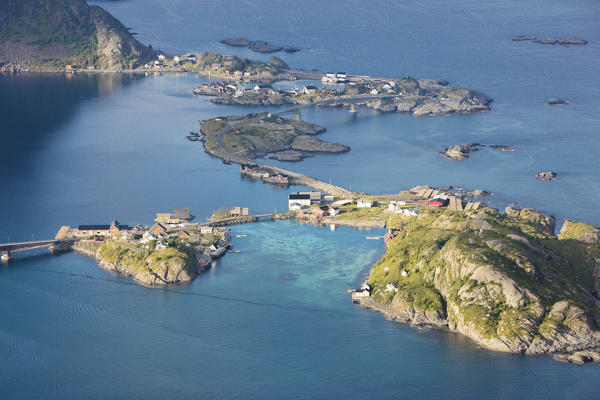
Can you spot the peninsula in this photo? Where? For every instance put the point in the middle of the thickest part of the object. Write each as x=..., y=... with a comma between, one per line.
x=503, y=279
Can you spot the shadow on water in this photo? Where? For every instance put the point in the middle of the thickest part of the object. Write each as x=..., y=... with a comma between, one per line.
x=34, y=106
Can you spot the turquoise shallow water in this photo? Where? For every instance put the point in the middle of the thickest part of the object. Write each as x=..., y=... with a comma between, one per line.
x=275, y=321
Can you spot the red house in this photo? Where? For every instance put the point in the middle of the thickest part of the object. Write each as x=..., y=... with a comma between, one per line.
x=321, y=211
x=437, y=202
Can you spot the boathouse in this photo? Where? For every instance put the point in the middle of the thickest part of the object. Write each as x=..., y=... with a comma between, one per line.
x=298, y=200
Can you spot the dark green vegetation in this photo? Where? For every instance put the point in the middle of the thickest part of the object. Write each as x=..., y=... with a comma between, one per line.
x=504, y=280
x=37, y=34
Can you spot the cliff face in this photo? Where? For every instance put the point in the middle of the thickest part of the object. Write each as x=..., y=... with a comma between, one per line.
x=504, y=280
x=49, y=34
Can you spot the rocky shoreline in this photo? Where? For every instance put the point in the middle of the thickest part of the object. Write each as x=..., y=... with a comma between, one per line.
x=478, y=273
x=461, y=151
x=165, y=273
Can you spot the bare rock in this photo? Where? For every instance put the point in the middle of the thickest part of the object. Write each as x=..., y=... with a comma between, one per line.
x=546, y=176
x=555, y=101
x=288, y=155
x=460, y=151
x=311, y=143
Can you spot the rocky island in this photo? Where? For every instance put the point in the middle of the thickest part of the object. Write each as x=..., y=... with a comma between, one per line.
x=546, y=176
x=502, y=279
x=257, y=135
x=149, y=267
x=554, y=101
x=461, y=151
x=419, y=97
x=565, y=41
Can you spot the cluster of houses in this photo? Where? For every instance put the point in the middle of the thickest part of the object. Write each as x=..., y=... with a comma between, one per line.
x=188, y=58
x=374, y=87
x=331, y=77
x=167, y=226
x=240, y=89
x=176, y=217
x=312, y=204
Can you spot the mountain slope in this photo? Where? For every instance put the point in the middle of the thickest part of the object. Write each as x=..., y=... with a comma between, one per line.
x=50, y=34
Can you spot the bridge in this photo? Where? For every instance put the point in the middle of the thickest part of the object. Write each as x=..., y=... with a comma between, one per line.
x=6, y=249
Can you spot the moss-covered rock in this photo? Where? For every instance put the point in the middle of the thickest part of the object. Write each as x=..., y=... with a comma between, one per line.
x=580, y=231
x=174, y=265
x=503, y=280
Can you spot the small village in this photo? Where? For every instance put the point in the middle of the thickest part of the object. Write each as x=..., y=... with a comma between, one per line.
x=336, y=84
x=169, y=229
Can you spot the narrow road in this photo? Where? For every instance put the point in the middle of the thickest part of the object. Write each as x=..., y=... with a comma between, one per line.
x=300, y=178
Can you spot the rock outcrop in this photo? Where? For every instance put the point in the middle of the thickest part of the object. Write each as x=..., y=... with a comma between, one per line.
x=546, y=175
x=503, y=280
x=48, y=35
x=580, y=231
x=435, y=100
x=460, y=151
x=313, y=144
x=554, y=101
x=150, y=268
x=565, y=41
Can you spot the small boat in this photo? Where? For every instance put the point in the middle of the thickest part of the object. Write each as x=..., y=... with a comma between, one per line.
x=241, y=235
x=233, y=251
x=373, y=237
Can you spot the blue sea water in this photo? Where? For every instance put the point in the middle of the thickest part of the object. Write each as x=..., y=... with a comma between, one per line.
x=275, y=321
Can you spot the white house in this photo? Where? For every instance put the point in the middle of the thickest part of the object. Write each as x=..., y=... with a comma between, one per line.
x=404, y=273
x=391, y=288
x=374, y=91
x=364, y=203
x=410, y=212
x=162, y=57
x=334, y=211
x=240, y=91
x=162, y=246
x=396, y=206
x=310, y=89
x=360, y=293
x=206, y=230
x=176, y=59
x=341, y=202
x=147, y=237
x=297, y=199
x=296, y=207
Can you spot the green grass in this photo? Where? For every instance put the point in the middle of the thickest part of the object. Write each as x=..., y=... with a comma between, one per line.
x=436, y=247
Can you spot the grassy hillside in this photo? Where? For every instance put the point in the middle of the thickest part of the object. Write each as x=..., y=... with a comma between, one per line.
x=502, y=279
x=54, y=33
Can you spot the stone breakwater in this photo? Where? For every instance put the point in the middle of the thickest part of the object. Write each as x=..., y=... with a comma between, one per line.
x=294, y=177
